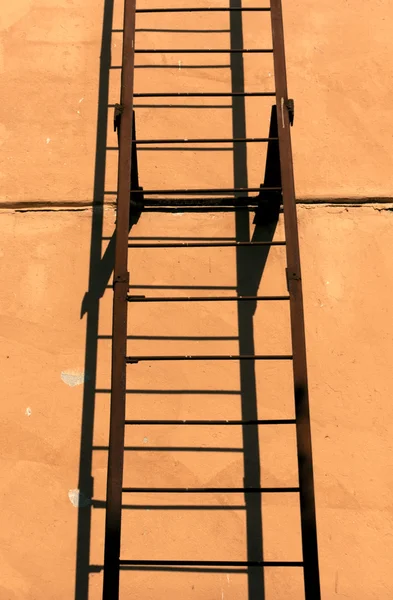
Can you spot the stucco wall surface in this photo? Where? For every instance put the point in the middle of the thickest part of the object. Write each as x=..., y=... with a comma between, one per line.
x=56, y=302
x=347, y=277
x=339, y=71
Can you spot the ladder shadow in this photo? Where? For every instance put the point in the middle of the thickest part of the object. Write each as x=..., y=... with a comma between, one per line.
x=100, y=272
x=249, y=274
x=100, y=269
x=250, y=268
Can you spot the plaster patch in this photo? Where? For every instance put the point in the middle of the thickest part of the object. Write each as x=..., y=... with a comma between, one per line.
x=73, y=377
x=78, y=499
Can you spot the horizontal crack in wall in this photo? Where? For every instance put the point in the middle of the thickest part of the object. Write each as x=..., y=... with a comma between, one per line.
x=380, y=204
x=39, y=206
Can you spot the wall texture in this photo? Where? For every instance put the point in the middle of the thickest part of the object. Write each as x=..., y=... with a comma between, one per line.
x=55, y=305
x=339, y=71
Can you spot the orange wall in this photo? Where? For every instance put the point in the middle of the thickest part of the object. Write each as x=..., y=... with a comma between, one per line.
x=54, y=279
x=339, y=71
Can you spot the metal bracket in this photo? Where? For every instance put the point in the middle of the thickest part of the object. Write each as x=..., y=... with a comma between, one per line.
x=290, y=104
x=291, y=276
x=117, y=117
x=121, y=279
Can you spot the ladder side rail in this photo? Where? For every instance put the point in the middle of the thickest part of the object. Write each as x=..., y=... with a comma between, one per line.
x=119, y=325
x=302, y=410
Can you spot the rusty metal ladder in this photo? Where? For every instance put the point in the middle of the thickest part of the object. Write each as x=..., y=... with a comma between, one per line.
x=275, y=194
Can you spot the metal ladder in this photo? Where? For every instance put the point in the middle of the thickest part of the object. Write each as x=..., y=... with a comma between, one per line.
x=275, y=194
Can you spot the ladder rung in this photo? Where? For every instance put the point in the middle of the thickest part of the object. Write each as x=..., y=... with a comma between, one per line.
x=136, y=359
x=178, y=238
x=199, y=205
x=207, y=191
x=175, y=392
x=219, y=490
x=183, y=66
x=203, y=9
x=210, y=449
x=205, y=141
x=211, y=192
x=204, y=51
x=206, y=298
x=209, y=563
x=183, y=507
x=207, y=245
x=211, y=422
x=181, y=287
x=177, y=338
x=166, y=30
x=201, y=95
x=185, y=106
x=197, y=208
x=199, y=141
